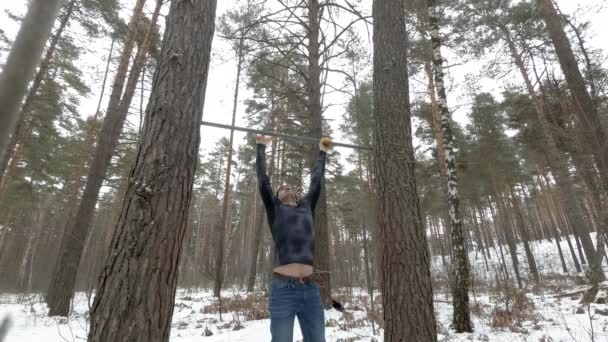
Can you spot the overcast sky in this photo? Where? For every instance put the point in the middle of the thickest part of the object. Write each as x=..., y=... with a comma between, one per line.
x=220, y=89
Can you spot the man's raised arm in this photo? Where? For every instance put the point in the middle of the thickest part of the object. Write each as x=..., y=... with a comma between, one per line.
x=263, y=181
x=318, y=173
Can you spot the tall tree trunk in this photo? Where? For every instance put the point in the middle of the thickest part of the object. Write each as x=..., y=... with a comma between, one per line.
x=142, y=86
x=474, y=232
x=407, y=295
x=73, y=184
x=589, y=121
x=596, y=270
x=507, y=228
x=24, y=278
x=105, y=79
x=555, y=158
x=436, y=119
x=369, y=275
x=555, y=213
x=219, y=262
x=525, y=236
x=365, y=219
x=589, y=118
x=64, y=279
x=460, y=262
x=196, y=269
x=255, y=245
x=497, y=224
x=136, y=291
x=321, y=257
x=487, y=234
x=481, y=245
x=559, y=248
x=546, y=220
x=588, y=63
x=21, y=127
x=12, y=170
x=442, y=244
x=21, y=64
x=6, y=244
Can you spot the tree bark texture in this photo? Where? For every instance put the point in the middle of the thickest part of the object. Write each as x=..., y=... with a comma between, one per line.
x=136, y=291
x=460, y=261
x=406, y=282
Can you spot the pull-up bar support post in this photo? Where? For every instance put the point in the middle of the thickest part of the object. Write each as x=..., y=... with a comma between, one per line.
x=281, y=135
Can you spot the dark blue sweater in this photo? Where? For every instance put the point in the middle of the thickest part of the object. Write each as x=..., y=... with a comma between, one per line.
x=292, y=228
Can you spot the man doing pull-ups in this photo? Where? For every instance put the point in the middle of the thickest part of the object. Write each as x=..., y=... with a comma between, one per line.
x=291, y=220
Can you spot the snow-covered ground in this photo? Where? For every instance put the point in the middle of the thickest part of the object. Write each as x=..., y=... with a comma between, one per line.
x=546, y=256
x=550, y=315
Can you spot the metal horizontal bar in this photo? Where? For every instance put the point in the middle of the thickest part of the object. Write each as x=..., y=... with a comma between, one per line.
x=281, y=135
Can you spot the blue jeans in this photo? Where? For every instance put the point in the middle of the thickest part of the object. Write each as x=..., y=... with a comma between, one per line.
x=289, y=299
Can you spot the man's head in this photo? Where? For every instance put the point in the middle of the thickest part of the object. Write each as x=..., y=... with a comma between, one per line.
x=287, y=196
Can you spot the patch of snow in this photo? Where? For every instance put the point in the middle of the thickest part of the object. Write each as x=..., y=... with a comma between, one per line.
x=556, y=318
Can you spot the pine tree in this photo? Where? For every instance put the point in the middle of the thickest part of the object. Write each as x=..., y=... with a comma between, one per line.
x=403, y=245
x=62, y=286
x=43, y=166
x=149, y=236
x=21, y=63
x=518, y=27
x=460, y=267
x=588, y=119
x=243, y=19
x=487, y=130
x=85, y=14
